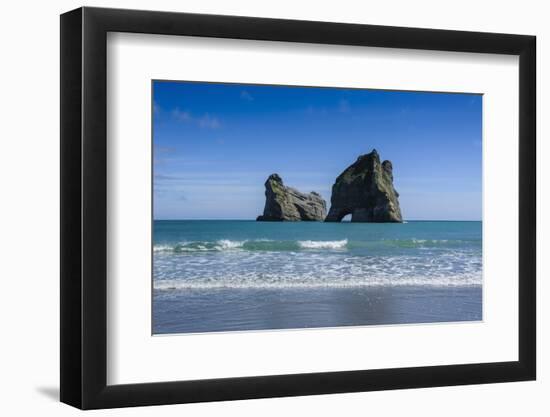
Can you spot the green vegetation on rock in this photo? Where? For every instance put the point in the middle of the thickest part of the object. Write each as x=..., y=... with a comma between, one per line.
x=365, y=190
x=288, y=204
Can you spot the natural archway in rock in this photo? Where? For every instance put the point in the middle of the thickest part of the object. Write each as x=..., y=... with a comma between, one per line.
x=365, y=189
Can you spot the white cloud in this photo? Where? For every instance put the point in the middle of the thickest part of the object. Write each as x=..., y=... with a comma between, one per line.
x=205, y=121
x=209, y=122
x=245, y=95
x=180, y=115
x=156, y=108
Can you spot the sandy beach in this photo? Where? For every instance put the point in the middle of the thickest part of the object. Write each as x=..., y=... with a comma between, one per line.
x=219, y=310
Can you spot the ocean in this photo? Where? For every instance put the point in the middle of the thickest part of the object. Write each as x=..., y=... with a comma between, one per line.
x=225, y=275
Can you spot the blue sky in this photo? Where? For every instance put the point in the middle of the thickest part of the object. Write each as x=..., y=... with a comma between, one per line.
x=215, y=144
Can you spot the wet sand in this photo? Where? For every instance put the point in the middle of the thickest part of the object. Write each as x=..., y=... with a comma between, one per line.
x=221, y=310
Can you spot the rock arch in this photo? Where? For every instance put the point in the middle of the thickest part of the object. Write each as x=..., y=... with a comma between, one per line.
x=340, y=214
x=365, y=190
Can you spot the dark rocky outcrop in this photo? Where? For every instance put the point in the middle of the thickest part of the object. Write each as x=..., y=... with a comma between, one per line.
x=288, y=204
x=365, y=190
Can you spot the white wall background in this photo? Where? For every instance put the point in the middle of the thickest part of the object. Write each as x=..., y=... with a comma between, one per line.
x=29, y=237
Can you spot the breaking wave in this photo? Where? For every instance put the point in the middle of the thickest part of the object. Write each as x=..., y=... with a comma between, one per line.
x=297, y=245
x=323, y=244
x=251, y=245
x=312, y=268
x=280, y=281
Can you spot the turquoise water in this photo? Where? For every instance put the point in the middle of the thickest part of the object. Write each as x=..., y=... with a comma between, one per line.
x=247, y=275
x=226, y=254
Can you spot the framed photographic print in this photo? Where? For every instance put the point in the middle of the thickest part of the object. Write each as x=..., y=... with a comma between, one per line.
x=257, y=207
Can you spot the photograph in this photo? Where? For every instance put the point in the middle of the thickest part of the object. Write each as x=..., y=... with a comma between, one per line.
x=290, y=207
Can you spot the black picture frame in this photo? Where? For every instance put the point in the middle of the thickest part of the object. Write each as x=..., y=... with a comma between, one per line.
x=84, y=207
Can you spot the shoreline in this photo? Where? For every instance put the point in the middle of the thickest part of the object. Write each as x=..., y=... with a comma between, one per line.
x=256, y=309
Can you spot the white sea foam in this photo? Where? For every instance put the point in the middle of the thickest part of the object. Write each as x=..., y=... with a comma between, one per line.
x=323, y=244
x=264, y=265
x=281, y=281
x=296, y=245
x=163, y=248
x=419, y=240
x=225, y=244
x=249, y=245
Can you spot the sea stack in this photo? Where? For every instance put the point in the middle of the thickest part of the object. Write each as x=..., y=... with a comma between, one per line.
x=365, y=190
x=284, y=203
